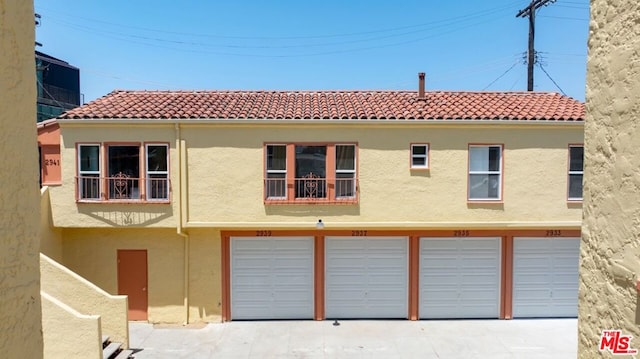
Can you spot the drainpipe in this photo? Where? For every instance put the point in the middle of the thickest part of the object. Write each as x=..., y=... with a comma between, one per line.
x=179, y=229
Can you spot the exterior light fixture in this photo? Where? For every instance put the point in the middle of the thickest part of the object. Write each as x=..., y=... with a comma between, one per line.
x=320, y=225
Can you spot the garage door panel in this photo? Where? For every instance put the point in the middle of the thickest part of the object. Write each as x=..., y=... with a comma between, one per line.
x=545, y=280
x=366, y=277
x=459, y=277
x=272, y=277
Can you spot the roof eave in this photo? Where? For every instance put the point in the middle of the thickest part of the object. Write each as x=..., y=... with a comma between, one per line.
x=245, y=121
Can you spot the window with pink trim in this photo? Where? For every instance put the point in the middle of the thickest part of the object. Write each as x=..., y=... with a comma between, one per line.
x=299, y=173
x=121, y=175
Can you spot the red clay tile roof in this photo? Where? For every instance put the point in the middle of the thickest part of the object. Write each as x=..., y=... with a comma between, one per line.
x=387, y=105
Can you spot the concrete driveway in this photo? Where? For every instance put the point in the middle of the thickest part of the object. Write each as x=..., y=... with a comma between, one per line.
x=525, y=339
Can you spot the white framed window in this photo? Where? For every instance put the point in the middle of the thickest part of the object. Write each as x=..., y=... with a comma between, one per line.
x=276, y=171
x=485, y=173
x=157, y=171
x=345, y=171
x=576, y=172
x=420, y=156
x=127, y=172
x=89, y=171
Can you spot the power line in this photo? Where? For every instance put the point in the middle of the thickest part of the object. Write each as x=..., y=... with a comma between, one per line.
x=499, y=77
x=453, y=27
x=552, y=80
x=447, y=21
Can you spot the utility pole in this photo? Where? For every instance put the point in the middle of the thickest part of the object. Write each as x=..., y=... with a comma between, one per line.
x=530, y=11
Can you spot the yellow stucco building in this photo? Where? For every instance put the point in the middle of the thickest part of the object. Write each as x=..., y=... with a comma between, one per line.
x=227, y=205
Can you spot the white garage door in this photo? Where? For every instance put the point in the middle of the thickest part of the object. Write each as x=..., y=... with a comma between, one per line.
x=545, y=277
x=366, y=277
x=272, y=278
x=459, y=277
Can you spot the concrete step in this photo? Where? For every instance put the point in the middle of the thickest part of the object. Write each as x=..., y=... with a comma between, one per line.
x=111, y=349
x=125, y=354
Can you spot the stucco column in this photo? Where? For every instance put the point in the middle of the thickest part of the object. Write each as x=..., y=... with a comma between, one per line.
x=610, y=248
x=20, y=310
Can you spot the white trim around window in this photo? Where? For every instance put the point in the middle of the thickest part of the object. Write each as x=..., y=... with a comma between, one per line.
x=157, y=171
x=419, y=156
x=89, y=165
x=576, y=173
x=485, y=173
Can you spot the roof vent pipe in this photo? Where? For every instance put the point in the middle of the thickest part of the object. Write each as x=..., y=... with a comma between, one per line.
x=421, y=86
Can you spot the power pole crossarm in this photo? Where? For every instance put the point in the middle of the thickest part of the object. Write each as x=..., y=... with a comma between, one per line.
x=530, y=11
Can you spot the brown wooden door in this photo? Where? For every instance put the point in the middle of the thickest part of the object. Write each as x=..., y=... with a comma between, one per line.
x=132, y=281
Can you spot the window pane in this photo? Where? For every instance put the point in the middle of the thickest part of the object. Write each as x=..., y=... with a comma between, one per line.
x=276, y=185
x=345, y=185
x=311, y=161
x=276, y=158
x=484, y=186
x=89, y=158
x=577, y=155
x=419, y=150
x=89, y=186
x=494, y=158
x=479, y=158
x=124, y=172
x=419, y=161
x=124, y=159
x=345, y=157
x=158, y=187
x=575, y=186
x=157, y=158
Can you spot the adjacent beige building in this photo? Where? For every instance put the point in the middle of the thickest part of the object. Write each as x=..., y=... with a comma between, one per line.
x=20, y=306
x=610, y=255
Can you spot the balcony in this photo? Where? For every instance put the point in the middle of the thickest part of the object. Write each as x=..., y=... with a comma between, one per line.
x=311, y=190
x=122, y=188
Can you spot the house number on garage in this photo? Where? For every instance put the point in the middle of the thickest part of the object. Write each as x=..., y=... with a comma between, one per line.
x=461, y=233
x=263, y=233
x=554, y=233
x=359, y=233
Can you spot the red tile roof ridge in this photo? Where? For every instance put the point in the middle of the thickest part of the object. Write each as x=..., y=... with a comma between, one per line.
x=331, y=104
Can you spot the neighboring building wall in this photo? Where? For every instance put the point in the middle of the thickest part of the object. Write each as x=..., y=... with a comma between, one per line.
x=58, y=85
x=609, y=266
x=20, y=307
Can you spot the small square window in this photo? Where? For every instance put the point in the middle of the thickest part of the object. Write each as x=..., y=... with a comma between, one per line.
x=420, y=156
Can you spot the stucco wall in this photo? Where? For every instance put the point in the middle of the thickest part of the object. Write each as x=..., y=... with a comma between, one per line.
x=50, y=237
x=225, y=177
x=86, y=298
x=69, y=333
x=225, y=168
x=68, y=213
x=92, y=253
x=610, y=255
x=20, y=308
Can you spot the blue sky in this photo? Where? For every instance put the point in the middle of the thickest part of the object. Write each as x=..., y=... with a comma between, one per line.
x=301, y=45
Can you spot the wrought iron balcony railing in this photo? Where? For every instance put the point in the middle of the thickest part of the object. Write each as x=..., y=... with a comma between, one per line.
x=311, y=190
x=122, y=188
